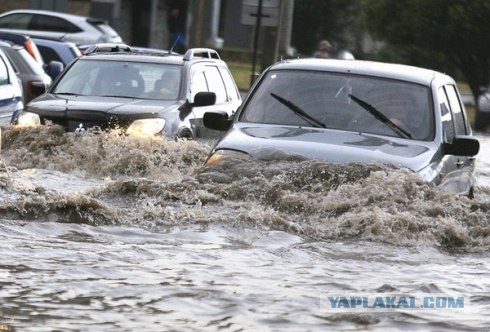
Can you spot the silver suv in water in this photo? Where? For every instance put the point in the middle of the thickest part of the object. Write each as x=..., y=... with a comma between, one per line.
x=352, y=111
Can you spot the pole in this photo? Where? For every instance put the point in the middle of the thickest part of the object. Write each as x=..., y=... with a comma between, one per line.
x=278, y=31
x=256, y=42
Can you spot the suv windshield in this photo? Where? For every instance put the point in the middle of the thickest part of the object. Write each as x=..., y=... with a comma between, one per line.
x=121, y=79
x=342, y=101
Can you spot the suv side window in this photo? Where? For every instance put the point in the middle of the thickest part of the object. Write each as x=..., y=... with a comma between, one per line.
x=208, y=79
x=231, y=90
x=198, y=84
x=49, y=54
x=51, y=23
x=4, y=75
x=459, y=120
x=15, y=21
x=215, y=84
x=446, y=116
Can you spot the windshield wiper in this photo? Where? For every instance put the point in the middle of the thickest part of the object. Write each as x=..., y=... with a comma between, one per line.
x=67, y=93
x=117, y=96
x=381, y=117
x=297, y=110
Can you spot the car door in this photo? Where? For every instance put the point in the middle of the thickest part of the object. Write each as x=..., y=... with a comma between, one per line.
x=50, y=26
x=457, y=170
x=9, y=97
x=209, y=79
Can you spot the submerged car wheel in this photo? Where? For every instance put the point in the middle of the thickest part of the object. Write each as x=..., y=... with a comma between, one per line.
x=185, y=133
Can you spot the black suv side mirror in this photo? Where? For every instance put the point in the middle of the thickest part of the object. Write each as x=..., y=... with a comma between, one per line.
x=463, y=145
x=218, y=120
x=204, y=99
x=54, y=68
x=38, y=88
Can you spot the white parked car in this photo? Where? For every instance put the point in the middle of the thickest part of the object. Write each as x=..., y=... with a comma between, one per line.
x=59, y=26
x=11, y=93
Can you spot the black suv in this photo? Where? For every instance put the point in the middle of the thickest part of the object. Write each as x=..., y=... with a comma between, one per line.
x=140, y=93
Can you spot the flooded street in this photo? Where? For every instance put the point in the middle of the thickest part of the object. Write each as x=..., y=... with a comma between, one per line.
x=111, y=233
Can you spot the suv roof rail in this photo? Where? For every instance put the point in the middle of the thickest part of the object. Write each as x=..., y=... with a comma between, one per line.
x=107, y=47
x=201, y=53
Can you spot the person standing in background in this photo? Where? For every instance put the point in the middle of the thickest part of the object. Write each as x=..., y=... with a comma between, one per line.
x=323, y=50
x=176, y=24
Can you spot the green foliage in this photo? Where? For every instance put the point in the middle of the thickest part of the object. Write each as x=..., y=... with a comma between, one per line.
x=448, y=35
x=314, y=20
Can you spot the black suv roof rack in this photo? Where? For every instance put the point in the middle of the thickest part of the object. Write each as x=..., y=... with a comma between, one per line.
x=107, y=47
x=201, y=53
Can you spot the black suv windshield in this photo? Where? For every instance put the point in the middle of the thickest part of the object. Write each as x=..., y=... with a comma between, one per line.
x=343, y=101
x=126, y=79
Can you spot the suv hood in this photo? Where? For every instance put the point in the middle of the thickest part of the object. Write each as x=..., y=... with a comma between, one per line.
x=330, y=145
x=84, y=107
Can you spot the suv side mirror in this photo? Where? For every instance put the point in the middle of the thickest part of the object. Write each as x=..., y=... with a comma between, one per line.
x=54, y=68
x=38, y=88
x=204, y=99
x=463, y=145
x=218, y=120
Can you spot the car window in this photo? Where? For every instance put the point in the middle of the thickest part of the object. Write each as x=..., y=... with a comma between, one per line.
x=121, y=78
x=12, y=63
x=215, y=83
x=454, y=102
x=4, y=76
x=231, y=90
x=15, y=21
x=51, y=23
x=342, y=101
x=49, y=54
x=22, y=61
x=161, y=81
x=198, y=83
x=103, y=27
x=446, y=116
x=29, y=61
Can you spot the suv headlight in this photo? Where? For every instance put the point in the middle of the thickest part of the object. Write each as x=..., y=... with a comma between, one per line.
x=146, y=127
x=224, y=155
x=28, y=119
x=431, y=173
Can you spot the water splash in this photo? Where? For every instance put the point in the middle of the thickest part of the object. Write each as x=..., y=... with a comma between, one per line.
x=155, y=183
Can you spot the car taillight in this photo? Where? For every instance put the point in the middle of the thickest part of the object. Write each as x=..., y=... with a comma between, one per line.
x=34, y=51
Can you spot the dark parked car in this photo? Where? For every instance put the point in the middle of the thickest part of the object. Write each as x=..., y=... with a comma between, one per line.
x=27, y=69
x=10, y=91
x=139, y=92
x=355, y=111
x=52, y=67
x=26, y=41
x=53, y=50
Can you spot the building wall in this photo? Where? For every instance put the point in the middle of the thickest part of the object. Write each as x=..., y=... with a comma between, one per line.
x=234, y=33
x=149, y=27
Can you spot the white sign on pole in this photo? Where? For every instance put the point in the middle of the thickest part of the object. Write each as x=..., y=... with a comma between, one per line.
x=270, y=12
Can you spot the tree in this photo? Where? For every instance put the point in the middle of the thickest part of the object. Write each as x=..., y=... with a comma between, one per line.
x=315, y=20
x=448, y=35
